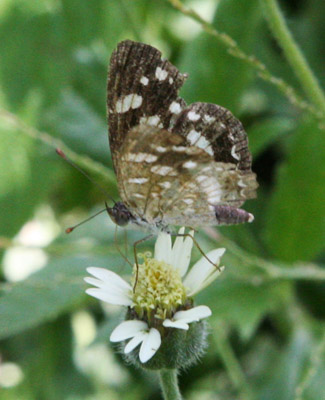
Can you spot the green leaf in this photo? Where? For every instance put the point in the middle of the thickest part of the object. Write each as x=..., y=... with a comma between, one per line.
x=23, y=184
x=266, y=132
x=44, y=295
x=31, y=56
x=79, y=126
x=236, y=302
x=215, y=76
x=295, y=223
x=287, y=368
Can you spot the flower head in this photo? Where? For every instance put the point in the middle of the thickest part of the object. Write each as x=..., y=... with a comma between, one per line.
x=160, y=299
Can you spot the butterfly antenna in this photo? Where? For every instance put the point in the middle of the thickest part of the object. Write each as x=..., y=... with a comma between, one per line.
x=62, y=155
x=72, y=228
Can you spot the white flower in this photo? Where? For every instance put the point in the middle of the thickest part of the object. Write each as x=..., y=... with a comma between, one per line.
x=162, y=295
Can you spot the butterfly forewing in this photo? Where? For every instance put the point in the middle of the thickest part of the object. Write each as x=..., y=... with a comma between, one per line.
x=142, y=89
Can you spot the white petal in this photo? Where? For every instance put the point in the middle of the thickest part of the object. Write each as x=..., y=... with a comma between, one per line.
x=182, y=252
x=127, y=330
x=168, y=323
x=94, y=282
x=194, y=314
x=109, y=277
x=111, y=298
x=109, y=288
x=187, y=250
x=202, y=270
x=150, y=345
x=207, y=282
x=135, y=341
x=163, y=248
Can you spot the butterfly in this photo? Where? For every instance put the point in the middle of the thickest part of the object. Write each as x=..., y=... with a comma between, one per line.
x=176, y=165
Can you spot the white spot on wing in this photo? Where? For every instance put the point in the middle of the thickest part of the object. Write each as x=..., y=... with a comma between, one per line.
x=165, y=185
x=233, y=153
x=140, y=157
x=160, y=149
x=193, y=116
x=201, y=178
x=175, y=108
x=193, y=136
x=163, y=170
x=144, y=80
x=138, y=195
x=207, y=118
x=171, y=80
x=204, y=144
x=188, y=201
x=138, y=180
x=153, y=120
x=161, y=75
x=215, y=199
x=209, y=150
x=130, y=101
x=189, y=164
x=241, y=183
x=179, y=149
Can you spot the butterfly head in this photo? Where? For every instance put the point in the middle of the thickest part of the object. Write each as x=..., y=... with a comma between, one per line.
x=119, y=214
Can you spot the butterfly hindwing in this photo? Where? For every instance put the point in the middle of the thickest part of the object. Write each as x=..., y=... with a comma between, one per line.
x=214, y=129
x=163, y=177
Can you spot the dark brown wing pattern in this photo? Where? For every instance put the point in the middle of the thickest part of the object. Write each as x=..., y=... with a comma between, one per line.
x=142, y=88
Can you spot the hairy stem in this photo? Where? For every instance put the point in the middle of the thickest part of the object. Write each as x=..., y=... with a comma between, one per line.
x=169, y=384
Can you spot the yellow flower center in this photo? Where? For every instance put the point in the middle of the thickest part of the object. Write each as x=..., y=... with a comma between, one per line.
x=159, y=290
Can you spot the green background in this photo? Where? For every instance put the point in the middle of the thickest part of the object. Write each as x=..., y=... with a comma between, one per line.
x=267, y=330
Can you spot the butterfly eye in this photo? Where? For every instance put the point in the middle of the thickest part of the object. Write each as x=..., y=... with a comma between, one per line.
x=119, y=214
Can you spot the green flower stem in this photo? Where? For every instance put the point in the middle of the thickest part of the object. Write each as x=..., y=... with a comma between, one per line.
x=262, y=71
x=231, y=363
x=81, y=160
x=169, y=384
x=293, y=54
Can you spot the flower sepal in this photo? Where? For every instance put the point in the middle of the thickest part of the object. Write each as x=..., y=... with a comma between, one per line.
x=179, y=349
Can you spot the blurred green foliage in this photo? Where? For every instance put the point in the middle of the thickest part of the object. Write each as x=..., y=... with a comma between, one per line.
x=270, y=300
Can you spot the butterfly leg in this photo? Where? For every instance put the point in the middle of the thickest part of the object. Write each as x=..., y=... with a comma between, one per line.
x=197, y=245
x=124, y=256
x=135, y=244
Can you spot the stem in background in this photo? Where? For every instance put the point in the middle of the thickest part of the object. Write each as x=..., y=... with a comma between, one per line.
x=272, y=270
x=169, y=384
x=231, y=363
x=293, y=54
x=81, y=160
x=315, y=360
x=261, y=69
